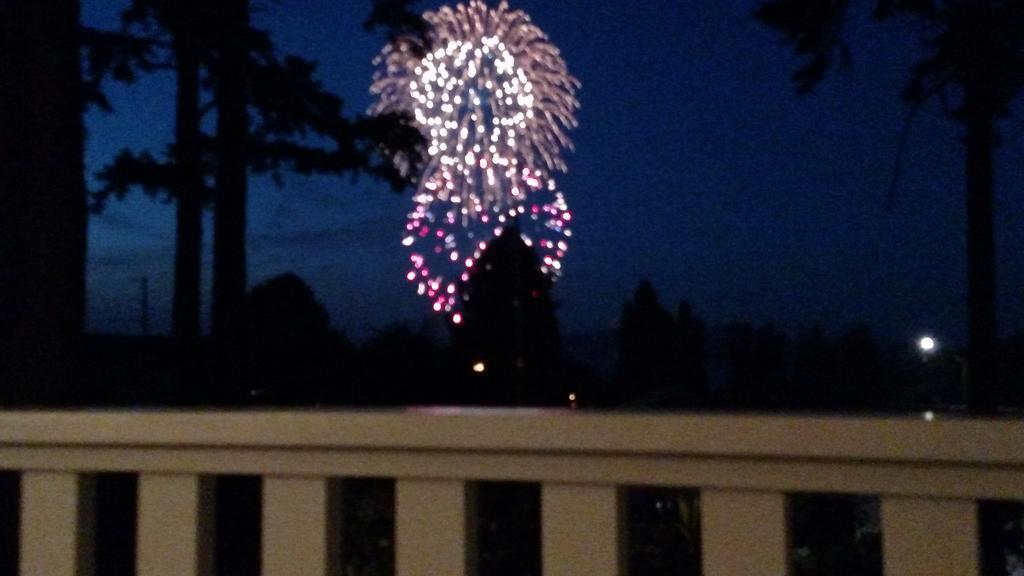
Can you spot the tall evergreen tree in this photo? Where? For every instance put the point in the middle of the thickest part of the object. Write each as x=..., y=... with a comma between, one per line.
x=758, y=361
x=273, y=115
x=858, y=382
x=691, y=334
x=814, y=371
x=177, y=36
x=647, y=356
x=288, y=100
x=509, y=324
x=742, y=385
x=772, y=363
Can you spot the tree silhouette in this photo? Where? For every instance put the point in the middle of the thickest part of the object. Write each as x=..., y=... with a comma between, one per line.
x=859, y=378
x=975, y=68
x=229, y=258
x=175, y=36
x=646, y=342
x=288, y=109
x=42, y=200
x=771, y=361
x=661, y=360
x=398, y=19
x=691, y=340
x=509, y=324
x=814, y=371
x=758, y=365
x=296, y=125
x=743, y=389
x=293, y=356
x=400, y=366
x=189, y=28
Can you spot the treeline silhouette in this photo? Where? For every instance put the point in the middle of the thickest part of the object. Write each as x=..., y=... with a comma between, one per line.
x=294, y=357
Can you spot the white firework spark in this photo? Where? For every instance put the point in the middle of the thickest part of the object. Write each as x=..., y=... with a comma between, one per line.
x=493, y=97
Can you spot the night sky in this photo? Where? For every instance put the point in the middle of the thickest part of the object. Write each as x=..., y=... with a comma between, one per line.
x=696, y=166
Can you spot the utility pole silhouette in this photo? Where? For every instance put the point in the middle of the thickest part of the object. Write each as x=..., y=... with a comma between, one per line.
x=144, y=305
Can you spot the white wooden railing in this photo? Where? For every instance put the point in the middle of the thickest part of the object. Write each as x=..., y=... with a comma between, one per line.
x=928, y=475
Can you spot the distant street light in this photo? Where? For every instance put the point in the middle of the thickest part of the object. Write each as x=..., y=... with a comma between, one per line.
x=479, y=367
x=927, y=345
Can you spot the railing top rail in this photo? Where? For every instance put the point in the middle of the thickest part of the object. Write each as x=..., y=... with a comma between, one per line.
x=878, y=439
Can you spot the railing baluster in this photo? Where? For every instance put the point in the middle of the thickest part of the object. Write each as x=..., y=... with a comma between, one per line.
x=929, y=537
x=582, y=530
x=175, y=525
x=301, y=526
x=435, y=528
x=743, y=533
x=57, y=524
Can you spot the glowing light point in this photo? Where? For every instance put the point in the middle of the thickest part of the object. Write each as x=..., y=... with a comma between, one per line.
x=479, y=367
x=927, y=344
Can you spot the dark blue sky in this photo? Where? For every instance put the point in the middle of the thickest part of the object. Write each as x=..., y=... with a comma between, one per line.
x=695, y=166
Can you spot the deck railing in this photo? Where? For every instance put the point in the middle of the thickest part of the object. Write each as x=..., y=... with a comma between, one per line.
x=928, y=475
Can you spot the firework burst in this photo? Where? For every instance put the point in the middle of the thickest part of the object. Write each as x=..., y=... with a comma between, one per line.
x=494, y=100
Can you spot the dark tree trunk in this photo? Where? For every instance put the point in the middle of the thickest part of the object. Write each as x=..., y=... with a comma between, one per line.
x=229, y=258
x=185, y=321
x=981, y=268
x=42, y=201
x=982, y=335
x=979, y=140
